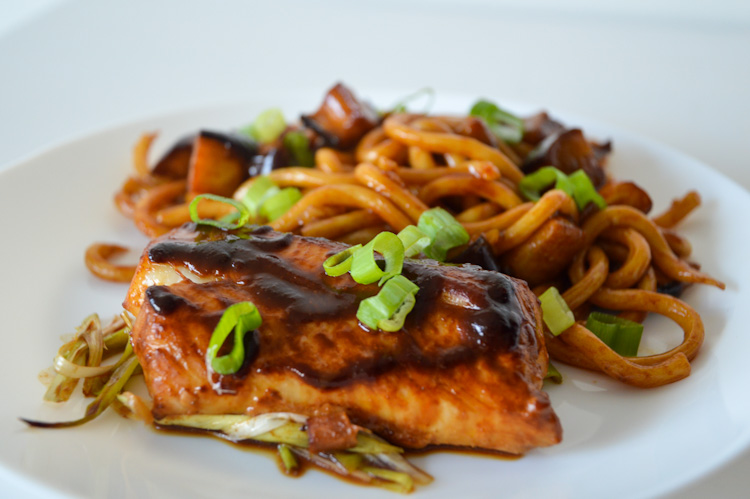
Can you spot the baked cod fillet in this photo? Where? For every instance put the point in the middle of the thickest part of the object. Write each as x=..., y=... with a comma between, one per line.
x=465, y=370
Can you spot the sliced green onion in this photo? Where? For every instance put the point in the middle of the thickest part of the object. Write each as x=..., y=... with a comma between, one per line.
x=240, y=318
x=577, y=185
x=267, y=126
x=503, y=124
x=621, y=335
x=278, y=204
x=244, y=214
x=444, y=232
x=287, y=458
x=388, y=309
x=341, y=262
x=429, y=93
x=261, y=189
x=532, y=185
x=555, y=311
x=365, y=268
x=553, y=374
x=297, y=143
x=414, y=240
x=584, y=191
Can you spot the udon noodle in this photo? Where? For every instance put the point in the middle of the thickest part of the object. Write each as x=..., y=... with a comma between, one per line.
x=385, y=175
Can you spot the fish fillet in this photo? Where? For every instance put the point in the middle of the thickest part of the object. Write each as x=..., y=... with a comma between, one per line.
x=465, y=370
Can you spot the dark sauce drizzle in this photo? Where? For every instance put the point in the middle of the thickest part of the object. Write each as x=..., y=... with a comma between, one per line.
x=491, y=322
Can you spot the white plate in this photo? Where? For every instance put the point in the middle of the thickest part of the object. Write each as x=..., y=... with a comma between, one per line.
x=618, y=441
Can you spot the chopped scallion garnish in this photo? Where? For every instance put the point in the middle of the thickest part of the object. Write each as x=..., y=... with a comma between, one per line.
x=553, y=374
x=532, y=185
x=621, y=335
x=287, y=458
x=298, y=145
x=241, y=318
x=584, y=191
x=577, y=185
x=278, y=204
x=267, y=126
x=261, y=189
x=414, y=240
x=504, y=125
x=341, y=262
x=388, y=309
x=242, y=218
x=555, y=312
x=365, y=268
x=444, y=232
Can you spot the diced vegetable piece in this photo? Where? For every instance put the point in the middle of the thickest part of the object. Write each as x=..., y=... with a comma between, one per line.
x=219, y=163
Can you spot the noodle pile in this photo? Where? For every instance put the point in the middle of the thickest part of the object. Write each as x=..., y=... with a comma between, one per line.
x=618, y=258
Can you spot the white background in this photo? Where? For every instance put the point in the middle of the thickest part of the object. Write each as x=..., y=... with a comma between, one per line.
x=678, y=72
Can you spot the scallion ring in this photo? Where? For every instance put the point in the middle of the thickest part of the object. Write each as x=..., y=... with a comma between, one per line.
x=555, y=311
x=444, y=232
x=261, y=189
x=242, y=218
x=532, y=185
x=239, y=318
x=341, y=262
x=278, y=204
x=506, y=126
x=621, y=335
x=414, y=240
x=584, y=191
x=297, y=143
x=388, y=309
x=365, y=268
x=267, y=126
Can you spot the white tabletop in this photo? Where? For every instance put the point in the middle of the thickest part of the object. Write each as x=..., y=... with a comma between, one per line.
x=677, y=72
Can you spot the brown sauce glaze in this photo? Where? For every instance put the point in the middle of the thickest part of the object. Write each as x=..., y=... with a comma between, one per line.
x=482, y=306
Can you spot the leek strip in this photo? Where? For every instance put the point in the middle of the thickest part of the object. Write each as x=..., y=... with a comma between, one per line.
x=392, y=480
x=236, y=427
x=128, y=365
x=368, y=443
x=287, y=458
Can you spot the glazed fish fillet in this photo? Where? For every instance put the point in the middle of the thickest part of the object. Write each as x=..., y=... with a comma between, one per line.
x=465, y=370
